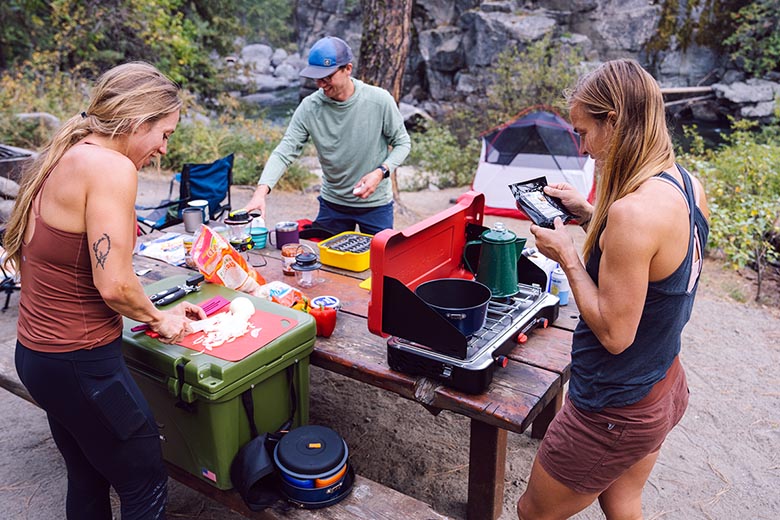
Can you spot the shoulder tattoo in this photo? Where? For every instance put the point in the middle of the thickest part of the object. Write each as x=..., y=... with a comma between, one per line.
x=101, y=247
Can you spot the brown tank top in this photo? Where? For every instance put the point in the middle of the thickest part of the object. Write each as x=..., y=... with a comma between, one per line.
x=60, y=309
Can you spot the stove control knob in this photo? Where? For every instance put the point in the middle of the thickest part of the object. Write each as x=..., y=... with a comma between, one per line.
x=502, y=361
x=446, y=371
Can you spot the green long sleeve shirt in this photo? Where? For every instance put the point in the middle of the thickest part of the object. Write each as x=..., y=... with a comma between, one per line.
x=352, y=138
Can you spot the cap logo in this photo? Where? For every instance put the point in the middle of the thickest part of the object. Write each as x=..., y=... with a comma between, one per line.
x=327, y=62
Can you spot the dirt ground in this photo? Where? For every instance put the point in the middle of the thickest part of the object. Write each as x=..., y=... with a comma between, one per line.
x=721, y=462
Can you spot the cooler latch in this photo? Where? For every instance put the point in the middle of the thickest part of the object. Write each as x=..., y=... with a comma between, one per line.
x=180, y=402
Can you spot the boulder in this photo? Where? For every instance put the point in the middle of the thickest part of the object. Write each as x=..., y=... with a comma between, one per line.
x=258, y=57
x=489, y=33
x=441, y=49
x=751, y=91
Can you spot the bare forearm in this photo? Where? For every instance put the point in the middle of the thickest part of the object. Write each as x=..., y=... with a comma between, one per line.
x=129, y=299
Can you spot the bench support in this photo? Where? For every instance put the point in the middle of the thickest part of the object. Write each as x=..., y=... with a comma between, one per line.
x=487, y=466
x=543, y=420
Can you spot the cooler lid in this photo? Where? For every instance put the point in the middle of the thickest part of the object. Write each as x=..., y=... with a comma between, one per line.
x=209, y=376
x=430, y=249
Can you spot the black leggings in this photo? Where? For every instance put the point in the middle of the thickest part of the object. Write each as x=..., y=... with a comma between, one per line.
x=103, y=427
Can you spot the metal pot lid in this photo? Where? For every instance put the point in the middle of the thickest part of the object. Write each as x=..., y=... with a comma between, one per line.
x=306, y=262
x=499, y=234
x=311, y=451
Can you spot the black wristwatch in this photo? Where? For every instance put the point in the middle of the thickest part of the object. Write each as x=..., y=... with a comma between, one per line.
x=385, y=171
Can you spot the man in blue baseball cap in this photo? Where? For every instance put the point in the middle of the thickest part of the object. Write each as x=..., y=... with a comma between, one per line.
x=360, y=138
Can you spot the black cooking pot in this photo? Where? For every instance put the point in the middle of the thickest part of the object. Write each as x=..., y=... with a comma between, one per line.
x=312, y=462
x=462, y=302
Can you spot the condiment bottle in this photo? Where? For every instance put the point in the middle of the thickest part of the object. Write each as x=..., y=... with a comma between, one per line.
x=559, y=285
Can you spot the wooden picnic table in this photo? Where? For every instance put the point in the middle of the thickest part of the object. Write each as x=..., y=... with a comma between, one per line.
x=527, y=392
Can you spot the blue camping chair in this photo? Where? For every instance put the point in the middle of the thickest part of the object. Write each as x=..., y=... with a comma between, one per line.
x=210, y=182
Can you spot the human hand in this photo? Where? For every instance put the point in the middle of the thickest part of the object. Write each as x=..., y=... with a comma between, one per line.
x=555, y=244
x=368, y=184
x=257, y=202
x=175, y=322
x=571, y=199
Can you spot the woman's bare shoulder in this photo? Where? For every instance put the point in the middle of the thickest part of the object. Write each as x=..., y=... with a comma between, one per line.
x=97, y=163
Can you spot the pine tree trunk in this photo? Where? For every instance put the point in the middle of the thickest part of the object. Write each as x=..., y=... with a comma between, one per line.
x=384, y=49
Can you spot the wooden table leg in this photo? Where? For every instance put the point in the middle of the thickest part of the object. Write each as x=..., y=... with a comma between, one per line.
x=543, y=420
x=487, y=465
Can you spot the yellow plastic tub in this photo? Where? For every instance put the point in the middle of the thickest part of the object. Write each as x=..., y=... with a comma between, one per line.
x=349, y=250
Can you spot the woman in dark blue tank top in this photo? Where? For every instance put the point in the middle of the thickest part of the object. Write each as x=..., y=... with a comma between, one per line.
x=634, y=288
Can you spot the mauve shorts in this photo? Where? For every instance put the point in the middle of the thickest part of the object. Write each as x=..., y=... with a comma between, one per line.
x=587, y=451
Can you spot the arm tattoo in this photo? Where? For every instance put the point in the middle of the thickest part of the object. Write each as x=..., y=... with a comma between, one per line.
x=101, y=247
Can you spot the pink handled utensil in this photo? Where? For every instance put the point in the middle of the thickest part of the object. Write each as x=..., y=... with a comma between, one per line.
x=210, y=307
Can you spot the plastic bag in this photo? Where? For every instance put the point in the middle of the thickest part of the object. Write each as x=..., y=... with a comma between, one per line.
x=169, y=248
x=540, y=207
x=283, y=294
x=220, y=263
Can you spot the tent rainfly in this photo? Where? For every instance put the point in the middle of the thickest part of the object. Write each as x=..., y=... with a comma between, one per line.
x=539, y=143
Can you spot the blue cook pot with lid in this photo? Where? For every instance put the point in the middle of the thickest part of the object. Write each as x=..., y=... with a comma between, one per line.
x=313, y=464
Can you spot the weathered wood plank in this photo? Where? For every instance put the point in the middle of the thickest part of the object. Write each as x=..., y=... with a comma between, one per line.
x=518, y=392
x=487, y=467
x=368, y=499
x=354, y=300
x=568, y=316
x=270, y=251
x=548, y=348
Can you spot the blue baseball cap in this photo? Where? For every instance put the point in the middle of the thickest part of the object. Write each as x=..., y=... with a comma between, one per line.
x=326, y=56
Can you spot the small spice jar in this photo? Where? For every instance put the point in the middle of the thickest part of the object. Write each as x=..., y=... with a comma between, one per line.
x=289, y=252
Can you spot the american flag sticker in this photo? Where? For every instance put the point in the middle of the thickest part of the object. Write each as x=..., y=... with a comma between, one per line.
x=208, y=474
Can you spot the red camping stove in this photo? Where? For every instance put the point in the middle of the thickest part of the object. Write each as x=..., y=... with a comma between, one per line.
x=422, y=342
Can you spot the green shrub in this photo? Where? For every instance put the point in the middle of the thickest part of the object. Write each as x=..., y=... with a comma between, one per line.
x=29, y=90
x=743, y=191
x=199, y=139
x=536, y=75
x=755, y=42
x=443, y=161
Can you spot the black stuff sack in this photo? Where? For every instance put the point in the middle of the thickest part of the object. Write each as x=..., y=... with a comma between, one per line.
x=252, y=473
x=540, y=207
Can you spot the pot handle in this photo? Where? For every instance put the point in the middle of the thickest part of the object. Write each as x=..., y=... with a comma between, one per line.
x=456, y=315
x=469, y=244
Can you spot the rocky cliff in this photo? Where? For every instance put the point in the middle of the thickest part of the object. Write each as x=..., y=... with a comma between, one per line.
x=457, y=42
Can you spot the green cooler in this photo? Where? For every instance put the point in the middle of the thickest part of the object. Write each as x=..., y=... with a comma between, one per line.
x=196, y=396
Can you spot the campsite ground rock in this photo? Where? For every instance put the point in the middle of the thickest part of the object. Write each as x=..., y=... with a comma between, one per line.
x=722, y=462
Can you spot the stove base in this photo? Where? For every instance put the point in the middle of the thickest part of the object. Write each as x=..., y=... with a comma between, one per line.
x=454, y=373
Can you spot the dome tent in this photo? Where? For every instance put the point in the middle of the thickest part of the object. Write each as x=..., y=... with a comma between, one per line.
x=535, y=143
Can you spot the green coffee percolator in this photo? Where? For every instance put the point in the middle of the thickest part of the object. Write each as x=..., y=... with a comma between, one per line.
x=500, y=249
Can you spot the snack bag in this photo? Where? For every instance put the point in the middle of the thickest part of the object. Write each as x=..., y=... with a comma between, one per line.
x=283, y=294
x=220, y=263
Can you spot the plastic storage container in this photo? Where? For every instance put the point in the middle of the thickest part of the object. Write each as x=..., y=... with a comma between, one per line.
x=196, y=398
x=349, y=250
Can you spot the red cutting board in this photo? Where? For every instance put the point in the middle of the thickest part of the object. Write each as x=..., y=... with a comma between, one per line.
x=271, y=327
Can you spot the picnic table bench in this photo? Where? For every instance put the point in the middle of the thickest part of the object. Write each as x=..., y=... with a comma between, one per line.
x=526, y=393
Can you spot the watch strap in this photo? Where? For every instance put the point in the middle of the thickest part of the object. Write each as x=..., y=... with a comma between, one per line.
x=385, y=171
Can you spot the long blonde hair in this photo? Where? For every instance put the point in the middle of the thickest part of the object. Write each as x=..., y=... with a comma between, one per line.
x=124, y=98
x=640, y=146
